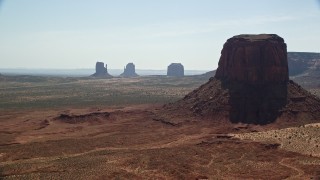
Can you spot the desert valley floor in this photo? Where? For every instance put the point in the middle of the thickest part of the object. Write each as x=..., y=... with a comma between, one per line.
x=58, y=128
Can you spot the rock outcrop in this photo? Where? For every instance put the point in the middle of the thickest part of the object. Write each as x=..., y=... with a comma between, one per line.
x=251, y=85
x=101, y=71
x=175, y=69
x=129, y=71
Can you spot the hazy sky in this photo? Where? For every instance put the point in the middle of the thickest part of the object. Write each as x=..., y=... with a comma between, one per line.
x=150, y=33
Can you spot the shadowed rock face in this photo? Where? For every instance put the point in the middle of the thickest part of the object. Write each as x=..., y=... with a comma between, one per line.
x=101, y=71
x=175, y=69
x=254, y=59
x=255, y=103
x=129, y=71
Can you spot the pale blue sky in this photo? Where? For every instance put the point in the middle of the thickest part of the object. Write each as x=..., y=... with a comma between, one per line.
x=150, y=33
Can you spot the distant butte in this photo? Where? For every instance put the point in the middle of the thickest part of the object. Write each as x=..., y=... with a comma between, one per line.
x=101, y=71
x=129, y=71
x=251, y=85
x=175, y=69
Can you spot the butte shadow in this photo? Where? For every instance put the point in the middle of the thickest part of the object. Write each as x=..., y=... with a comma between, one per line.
x=251, y=85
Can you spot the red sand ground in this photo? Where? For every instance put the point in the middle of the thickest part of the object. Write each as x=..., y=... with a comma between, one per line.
x=139, y=142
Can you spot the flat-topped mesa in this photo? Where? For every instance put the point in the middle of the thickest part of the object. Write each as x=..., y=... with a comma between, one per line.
x=254, y=59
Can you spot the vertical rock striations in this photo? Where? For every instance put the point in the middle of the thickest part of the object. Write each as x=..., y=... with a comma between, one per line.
x=255, y=70
x=254, y=59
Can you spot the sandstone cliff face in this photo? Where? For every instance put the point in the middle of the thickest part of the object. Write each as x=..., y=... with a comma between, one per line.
x=101, y=71
x=175, y=69
x=254, y=69
x=254, y=59
x=251, y=85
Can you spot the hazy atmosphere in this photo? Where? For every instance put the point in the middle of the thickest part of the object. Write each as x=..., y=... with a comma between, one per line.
x=159, y=89
x=152, y=34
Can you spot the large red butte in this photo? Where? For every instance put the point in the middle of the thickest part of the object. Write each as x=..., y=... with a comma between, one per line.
x=251, y=85
x=254, y=59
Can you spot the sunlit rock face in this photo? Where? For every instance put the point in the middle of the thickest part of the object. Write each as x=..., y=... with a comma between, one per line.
x=254, y=59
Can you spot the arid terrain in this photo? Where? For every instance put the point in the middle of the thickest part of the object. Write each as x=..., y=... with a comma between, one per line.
x=57, y=128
